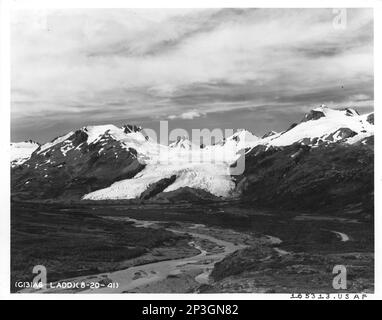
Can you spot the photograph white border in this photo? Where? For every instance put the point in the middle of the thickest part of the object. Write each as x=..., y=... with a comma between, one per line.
x=5, y=12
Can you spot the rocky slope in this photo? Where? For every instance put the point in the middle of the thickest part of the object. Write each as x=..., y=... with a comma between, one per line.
x=305, y=177
x=77, y=163
x=326, y=161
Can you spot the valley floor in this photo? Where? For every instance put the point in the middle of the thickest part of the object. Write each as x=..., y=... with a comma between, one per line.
x=209, y=247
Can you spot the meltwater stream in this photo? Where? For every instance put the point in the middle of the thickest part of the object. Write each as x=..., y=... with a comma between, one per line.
x=136, y=277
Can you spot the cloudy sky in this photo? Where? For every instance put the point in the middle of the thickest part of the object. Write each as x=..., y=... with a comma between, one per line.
x=259, y=69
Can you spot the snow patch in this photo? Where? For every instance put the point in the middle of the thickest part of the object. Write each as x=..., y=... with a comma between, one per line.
x=58, y=140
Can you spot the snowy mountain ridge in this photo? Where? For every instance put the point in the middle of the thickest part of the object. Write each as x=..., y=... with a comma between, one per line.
x=129, y=163
x=324, y=125
x=21, y=151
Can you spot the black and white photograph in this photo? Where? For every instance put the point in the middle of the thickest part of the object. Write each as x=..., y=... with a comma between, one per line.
x=191, y=151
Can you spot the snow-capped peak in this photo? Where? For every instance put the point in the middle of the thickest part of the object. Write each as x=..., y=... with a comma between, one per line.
x=182, y=143
x=117, y=133
x=129, y=128
x=96, y=132
x=324, y=111
x=350, y=112
x=243, y=138
x=325, y=125
x=269, y=134
x=92, y=134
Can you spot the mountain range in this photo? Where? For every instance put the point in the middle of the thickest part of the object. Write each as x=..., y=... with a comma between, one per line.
x=326, y=160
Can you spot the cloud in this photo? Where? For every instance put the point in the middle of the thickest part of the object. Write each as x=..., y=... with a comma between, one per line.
x=189, y=115
x=96, y=64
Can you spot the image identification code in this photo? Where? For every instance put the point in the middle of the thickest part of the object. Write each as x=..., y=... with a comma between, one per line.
x=192, y=309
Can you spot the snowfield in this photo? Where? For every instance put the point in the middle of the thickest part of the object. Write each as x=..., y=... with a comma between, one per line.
x=324, y=127
x=21, y=152
x=206, y=169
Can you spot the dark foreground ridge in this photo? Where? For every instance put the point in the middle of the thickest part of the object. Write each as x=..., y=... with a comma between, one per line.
x=336, y=177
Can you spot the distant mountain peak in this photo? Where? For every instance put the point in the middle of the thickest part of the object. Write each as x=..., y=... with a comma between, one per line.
x=181, y=143
x=316, y=113
x=351, y=112
x=269, y=134
x=243, y=136
x=32, y=142
x=324, y=111
x=129, y=128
